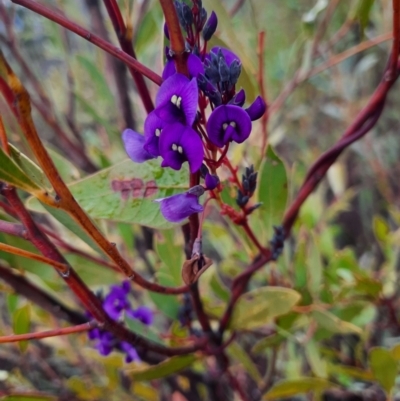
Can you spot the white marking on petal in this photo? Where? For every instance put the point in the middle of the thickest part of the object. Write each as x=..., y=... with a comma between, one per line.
x=232, y=124
x=157, y=132
x=224, y=126
x=180, y=150
x=174, y=99
x=178, y=102
x=174, y=147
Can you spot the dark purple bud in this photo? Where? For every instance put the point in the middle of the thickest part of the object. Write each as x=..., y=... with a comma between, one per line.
x=179, y=11
x=241, y=199
x=234, y=71
x=223, y=69
x=254, y=207
x=179, y=207
x=256, y=109
x=166, y=31
x=211, y=181
x=204, y=171
x=210, y=27
x=203, y=18
x=239, y=98
x=197, y=190
x=187, y=14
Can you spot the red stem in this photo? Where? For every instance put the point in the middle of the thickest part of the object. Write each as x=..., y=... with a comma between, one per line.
x=126, y=45
x=49, y=333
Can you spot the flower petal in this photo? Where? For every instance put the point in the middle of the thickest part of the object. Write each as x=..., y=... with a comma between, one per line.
x=133, y=143
x=256, y=109
x=228, y=55
x=179, y=207
x=151, y=125
x=228, y=123
x=192, y=149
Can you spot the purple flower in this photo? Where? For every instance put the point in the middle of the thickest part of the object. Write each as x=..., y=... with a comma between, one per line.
x=211, y=181
x=239, y=98
x=179, y=143
x=117, y=300
x=194, y=64
x=131, y=353
x=228, y=123
x=177, y=100
x=179, y=207
x=256, y=109
x=143, y=314
x=153, y=126
x=133, y=143
x=105, y=343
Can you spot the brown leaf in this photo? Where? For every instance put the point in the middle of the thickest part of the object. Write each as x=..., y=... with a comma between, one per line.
x=191, y=271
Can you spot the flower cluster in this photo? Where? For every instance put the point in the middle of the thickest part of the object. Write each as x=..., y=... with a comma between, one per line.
x=116, y=304
x=177, y=131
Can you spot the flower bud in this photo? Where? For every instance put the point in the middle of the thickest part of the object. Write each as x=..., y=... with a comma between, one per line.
x=210, y=26
x=211, y=181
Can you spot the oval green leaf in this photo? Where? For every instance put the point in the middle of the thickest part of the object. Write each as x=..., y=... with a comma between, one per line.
x=258, y=307
x=384, y=367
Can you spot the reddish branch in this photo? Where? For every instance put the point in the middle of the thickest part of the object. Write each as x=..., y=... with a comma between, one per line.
x=84, y=33
x=125, y=42
x=49, y=333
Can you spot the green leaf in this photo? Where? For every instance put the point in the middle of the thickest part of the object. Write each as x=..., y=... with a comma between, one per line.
x=29, y=167
x=219, y=288
x=237, y=353
x=384, y=367
x=288, y=388
x=145, y=331
x=258, y=307
x=171, y=254
x=12, y=174
x=66, y=169
x=163, y=369
x=111, y=194
x=97, y=78
x=272, y=190
x=21, y=324
x=363, y=11
x=333, y=324
x=167, y=304
x=381, y=229
x=317, y=363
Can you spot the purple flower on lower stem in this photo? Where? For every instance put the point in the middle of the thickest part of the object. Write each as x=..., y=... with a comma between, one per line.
x=194, y=65
x=131, y=353
x=105, y=343
x=177, y=100
x=133, y=143
x=228, y=123
x=117, y=300
x=179, y=207
x=178, y=144
x=143, y=314
x=256, y=109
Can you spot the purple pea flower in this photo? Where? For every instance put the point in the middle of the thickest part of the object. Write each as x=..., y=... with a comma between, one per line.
x=211, y=181
x=131, y=353
x=177, y=100
x=117, y=300
x=133, y=143
x=179, y=143
x=194, y=65
x=256, y=109
x=178, y=207
x=143, y=314
x=105, y=343
x=153, y=127
x=228, y=123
